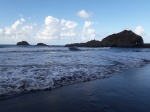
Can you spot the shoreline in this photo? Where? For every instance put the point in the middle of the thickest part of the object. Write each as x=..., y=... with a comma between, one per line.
x=43, y=68
x=86, y=79
x=91, y=93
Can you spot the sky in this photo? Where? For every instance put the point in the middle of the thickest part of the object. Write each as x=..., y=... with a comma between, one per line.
x=60, y=22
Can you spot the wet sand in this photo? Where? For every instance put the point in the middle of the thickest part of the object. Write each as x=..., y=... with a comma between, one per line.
x=125, y=92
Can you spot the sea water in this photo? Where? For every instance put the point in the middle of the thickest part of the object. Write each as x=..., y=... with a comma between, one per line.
x=28, y=68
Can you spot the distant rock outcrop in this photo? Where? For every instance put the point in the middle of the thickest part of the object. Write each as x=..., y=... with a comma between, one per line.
x=92, y=43
x=146, y=45
x=123, y=39
x=23, y=43
x=41, y=44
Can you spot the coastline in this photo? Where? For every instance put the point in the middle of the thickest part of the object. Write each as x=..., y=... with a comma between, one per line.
x=126, y=91
x=33, y=69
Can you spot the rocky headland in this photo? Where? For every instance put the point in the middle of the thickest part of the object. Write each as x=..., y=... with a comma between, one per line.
x=126, y=38
x=92, y=43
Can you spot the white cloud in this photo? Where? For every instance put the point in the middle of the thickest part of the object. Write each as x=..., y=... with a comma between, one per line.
x=87, y=31
x=50, y=29
x=22, y=20
x=51, y=21
x=28, y=28
x=68, y=28
x=17, y=31
x=139, y=30
x=87, y=24
x=92, y=33
x=68, y=24
x=54, y=28
x=1, y=31
x=83, y=14
x=16, y=24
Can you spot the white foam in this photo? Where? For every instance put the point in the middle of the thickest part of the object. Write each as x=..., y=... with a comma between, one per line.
x=26, y=71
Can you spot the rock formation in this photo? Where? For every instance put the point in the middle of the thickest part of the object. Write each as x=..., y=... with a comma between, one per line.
x=41, y=44
x=23, y=43
x=92, y=43
x=123, y=39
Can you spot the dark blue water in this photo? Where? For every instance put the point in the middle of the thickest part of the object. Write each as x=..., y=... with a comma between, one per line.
x=125, y=92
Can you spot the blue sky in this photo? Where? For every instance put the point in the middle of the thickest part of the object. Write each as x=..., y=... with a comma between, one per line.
x=58, y=22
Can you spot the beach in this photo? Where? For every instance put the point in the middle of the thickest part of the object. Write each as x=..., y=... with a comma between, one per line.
x=124, y=92
x=74, y=56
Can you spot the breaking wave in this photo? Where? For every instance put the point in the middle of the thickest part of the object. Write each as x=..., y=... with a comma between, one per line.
x=27, y=69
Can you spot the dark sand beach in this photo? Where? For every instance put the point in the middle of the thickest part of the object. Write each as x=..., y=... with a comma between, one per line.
x=74, y=56
x=128, y=91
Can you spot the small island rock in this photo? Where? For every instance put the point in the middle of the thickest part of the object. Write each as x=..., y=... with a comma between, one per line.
x=23, y=43
x=41, y=44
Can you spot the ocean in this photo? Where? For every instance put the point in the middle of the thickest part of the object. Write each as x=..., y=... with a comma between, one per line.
x=32, y=68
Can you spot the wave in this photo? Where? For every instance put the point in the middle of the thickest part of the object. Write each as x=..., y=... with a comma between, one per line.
x=37, y=71
x=25, y=49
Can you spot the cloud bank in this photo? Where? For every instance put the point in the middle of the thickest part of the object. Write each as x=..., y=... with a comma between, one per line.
x=51, y=29
x=54, y=28
x=17, y=31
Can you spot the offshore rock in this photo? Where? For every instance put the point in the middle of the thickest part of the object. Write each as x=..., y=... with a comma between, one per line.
x=23, y=43
x=125, y=38
x=41, y=44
